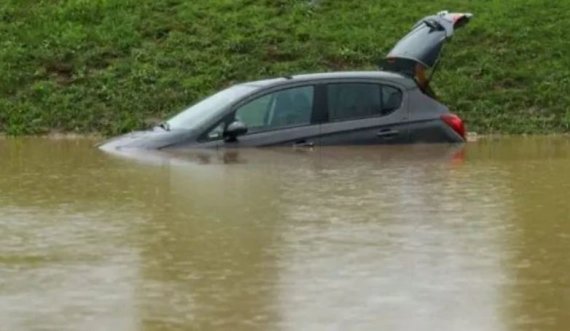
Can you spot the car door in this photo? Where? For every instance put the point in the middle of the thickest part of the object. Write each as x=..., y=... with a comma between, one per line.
x=282, y=117
x=364, y=113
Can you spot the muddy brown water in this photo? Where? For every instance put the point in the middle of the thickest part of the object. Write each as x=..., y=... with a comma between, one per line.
x=369, y=238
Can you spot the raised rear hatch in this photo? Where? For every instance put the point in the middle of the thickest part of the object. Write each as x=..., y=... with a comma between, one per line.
x=424, y=43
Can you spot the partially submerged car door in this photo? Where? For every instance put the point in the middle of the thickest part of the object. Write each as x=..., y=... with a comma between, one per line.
x=282, y=117
x=364, y=112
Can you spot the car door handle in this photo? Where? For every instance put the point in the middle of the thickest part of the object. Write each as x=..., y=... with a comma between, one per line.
x=387, y=133
x=304, y=143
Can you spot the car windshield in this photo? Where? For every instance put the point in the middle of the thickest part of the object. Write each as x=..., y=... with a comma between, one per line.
x=203, y=111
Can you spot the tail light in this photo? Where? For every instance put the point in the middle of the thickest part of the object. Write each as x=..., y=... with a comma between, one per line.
x=454, y=122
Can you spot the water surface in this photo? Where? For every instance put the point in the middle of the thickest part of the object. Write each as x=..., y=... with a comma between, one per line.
x=368, y=238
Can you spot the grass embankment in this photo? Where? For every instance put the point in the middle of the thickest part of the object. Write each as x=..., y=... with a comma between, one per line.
x=110, y=66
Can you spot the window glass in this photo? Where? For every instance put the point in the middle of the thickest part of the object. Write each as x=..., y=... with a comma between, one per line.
x=217, y=132
x=279, y=109
x=361, y=100
x=391, y=99
x=254, y=113
x=208, y=108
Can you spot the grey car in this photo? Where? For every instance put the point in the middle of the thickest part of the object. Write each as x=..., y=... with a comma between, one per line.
x=393, y=105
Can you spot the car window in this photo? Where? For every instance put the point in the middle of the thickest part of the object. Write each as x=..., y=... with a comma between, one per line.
x=360, y=100
x=391, y=99
x=283, y=108
x=254, y=113
x=217, y=132
x=208, y=108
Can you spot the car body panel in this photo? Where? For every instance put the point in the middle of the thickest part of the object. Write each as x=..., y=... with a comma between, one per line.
x=425, y=124
x=301, y=136
x=151, y=139
x=377, y=131
x=432, y=131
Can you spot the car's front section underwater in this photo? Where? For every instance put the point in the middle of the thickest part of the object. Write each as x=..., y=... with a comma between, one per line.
x=394, y=105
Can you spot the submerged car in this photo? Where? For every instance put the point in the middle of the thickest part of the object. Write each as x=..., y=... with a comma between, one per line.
x=389, y=106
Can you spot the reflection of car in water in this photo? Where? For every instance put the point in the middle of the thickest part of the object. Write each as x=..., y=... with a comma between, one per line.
x=394, y=105
x=451, y=154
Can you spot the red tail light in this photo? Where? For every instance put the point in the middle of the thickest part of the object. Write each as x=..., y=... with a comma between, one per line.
x=454, y=122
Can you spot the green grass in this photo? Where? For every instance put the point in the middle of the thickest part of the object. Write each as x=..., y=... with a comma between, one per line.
x=110, y=66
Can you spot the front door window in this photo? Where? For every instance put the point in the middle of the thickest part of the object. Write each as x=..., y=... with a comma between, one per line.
x=285, y=108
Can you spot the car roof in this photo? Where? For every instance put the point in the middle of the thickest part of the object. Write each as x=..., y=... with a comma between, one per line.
x=382, y=75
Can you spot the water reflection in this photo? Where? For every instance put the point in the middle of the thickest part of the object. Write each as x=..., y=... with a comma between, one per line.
x=539, y=287
x=400, y=238
x=210, y=241
x=395, y=246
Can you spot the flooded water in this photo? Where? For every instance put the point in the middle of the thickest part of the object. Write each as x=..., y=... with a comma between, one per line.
x=376, y=238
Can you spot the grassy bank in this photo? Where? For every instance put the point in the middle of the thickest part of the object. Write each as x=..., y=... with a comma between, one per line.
x=110, y=66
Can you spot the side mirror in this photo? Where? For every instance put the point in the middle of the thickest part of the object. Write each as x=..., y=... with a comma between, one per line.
x=234, y=130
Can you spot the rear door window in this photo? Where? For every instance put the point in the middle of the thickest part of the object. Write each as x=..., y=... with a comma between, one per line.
x=348, y=101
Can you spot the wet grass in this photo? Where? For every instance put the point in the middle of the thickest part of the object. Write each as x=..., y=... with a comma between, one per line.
x=110, y=66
